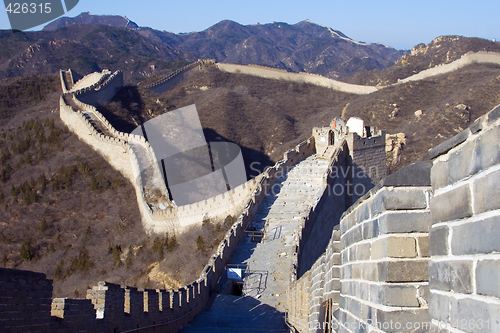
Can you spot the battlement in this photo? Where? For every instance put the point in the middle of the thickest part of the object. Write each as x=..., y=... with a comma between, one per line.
x=29, y=307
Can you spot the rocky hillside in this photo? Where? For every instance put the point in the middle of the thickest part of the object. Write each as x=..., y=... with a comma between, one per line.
x=442, y=50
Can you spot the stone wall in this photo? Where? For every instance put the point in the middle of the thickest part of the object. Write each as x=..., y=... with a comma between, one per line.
x=419, y=252
x=467, y=59
x=464, y=274
x=103, y=92
x=279, y=74
x=175, y=77
x=26, y=306
x=115, y=147
x=25, y=299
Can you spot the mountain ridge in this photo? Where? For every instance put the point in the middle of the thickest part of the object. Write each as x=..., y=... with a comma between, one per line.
x=304, y=46
x=88, y=18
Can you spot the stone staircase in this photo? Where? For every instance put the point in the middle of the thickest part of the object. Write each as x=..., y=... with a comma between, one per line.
x=261, y=307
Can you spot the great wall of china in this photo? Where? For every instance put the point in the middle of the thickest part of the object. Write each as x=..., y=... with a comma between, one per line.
x=418, y=252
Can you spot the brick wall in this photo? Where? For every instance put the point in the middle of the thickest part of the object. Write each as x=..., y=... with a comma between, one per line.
x=420, y=251
x=384, y=259
x=25, y=300
x=298, y=300
x=374, y=270
x=464, y=274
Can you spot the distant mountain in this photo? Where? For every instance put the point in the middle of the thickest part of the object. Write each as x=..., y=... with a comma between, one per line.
x=86, y=48
x=442, y=50
x=302, y=47
x=87, y=18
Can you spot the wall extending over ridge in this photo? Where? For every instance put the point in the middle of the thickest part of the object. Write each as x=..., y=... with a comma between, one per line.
x=466, y=59
x=177, y=76
x=118, y=149
x=279, y=74
x=419, y=252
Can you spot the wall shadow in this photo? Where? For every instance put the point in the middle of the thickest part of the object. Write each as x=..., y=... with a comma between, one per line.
x=131, y=104
x=255, y=161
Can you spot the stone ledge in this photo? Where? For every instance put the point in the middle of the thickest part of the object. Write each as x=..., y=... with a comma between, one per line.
x=447, y=145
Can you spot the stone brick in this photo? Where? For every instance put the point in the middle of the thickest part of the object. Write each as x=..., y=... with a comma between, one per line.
x=493, y=115
x=467, y=313
x=346, y=271
x=423, y=246
x=370, y=229
x=403, y=271
x=488, y=277
x=394, y=295
x=404, y=222
x=335, y=259
x=356, y=234
x=352, y=253
x=396, y=321
x=486, y=192
x=487, y=149
x=452, y=275
x=356, y=271
x=363, y=251
x=460, y=163
x=364, y=291
x=476, y=126
x=404, y=198
x=394, y=247
x=439, y=307
x=452, y=205
x=440, y=175
x=438, y=239
x=476, y=237
x=370, y=271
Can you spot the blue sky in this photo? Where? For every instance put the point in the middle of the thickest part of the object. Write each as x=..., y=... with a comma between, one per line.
x=400, y=24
